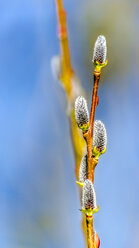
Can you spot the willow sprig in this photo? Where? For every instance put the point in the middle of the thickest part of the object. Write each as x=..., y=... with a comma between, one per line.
x=96, y=141
x=93, y=133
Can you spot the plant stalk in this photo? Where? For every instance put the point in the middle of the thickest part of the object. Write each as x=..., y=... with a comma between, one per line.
x=66, y=79
x=91, y=161
x=90, y=234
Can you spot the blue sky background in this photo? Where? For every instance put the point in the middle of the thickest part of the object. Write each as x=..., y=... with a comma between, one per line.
x=39, y=202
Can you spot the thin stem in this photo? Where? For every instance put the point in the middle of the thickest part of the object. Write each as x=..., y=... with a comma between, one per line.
x=94, y=102
x=91, y=162
x=90, y=235
x=62, y=33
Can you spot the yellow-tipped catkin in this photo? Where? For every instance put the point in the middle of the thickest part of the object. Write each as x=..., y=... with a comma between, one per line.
x=99, y=136
x=81, y=111
x=100, y=50
x=88, y=196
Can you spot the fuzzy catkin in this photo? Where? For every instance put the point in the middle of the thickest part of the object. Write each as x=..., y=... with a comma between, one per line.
x=100, y=50
x=99, y=135
x=83, y=169
x=88, y=195
x=81, y=111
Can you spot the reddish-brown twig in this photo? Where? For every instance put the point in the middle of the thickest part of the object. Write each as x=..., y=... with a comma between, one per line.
x=90, y=234
x=92, y=162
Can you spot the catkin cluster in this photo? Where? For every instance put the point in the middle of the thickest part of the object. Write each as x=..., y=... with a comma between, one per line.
x=99, y=141
x=99, y=145
x=93, y=132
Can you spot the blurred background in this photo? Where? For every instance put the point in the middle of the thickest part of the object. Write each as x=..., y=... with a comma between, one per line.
x=39, y=201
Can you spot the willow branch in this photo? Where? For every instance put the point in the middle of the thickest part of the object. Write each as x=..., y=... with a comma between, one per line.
x=66, y=78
